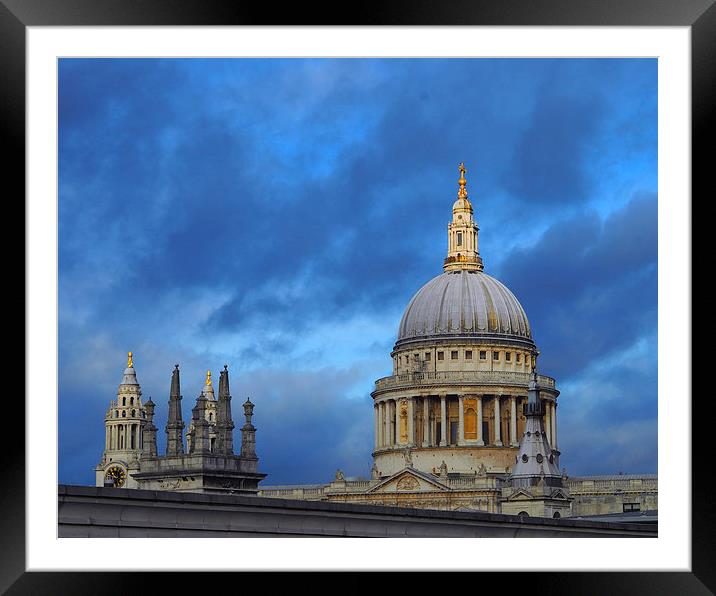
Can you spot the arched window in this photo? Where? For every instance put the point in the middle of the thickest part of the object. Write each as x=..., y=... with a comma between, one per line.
x=131, y=401
x=116, y=413
x=133, y=413
x=211, y=417
x=124, y=401
x=523, y=514
x=556, y=515
x=124, y=413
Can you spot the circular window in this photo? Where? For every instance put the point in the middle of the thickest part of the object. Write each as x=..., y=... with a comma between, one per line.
x=539, y=458
x=529, y=434
x=536, y=433
x=524, y=457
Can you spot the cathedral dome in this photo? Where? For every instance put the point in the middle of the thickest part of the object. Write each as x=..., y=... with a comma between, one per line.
x=464, y=304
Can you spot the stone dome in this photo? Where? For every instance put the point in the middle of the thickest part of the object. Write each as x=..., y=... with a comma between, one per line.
x=464, y=304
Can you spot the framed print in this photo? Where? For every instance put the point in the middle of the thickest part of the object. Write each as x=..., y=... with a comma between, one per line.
x=254, y=203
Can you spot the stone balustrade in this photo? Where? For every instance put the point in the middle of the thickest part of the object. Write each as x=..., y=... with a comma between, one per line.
x=478, y=377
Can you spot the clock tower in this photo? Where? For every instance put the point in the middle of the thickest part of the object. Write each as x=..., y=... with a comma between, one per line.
x=124, y=424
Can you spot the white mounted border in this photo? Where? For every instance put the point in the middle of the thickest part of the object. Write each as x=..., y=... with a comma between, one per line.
x=671, y=551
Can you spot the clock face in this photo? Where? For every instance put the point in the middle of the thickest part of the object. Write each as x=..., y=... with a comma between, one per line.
x=115, y=476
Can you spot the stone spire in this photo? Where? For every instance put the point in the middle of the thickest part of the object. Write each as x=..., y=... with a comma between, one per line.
x=248, y=432
x=200, y=439
x=149, y=433
x=462, y=233
x=224, y=423
x=175, y=424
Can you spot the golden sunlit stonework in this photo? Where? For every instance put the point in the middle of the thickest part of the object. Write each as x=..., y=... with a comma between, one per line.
x=465, y=422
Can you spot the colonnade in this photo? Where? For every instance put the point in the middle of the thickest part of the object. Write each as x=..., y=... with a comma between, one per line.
x=395, y=421
x=118, y=436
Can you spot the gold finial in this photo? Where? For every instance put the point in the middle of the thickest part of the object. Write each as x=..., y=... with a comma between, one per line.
x=462, y=193
x=208, y=377
x=129, y=360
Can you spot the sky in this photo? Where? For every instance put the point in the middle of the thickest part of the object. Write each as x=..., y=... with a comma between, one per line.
x=277, y=215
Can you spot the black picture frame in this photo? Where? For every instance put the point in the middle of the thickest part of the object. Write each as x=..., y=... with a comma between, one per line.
x=699, y=15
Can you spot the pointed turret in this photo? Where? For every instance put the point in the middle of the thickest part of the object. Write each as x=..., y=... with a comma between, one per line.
x=149, y=433
x=175, y=424
x=535, y=486
x=200, y=428
x=224, y=423
x=535, y=459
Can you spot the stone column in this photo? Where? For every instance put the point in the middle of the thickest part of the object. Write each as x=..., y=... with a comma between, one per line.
x=411, y=421
x=548, y=421
x=460, y=419
x=381, y=424
x=480, y=438
x=376, y=416
x=443, y=421
x=426, y=421
x=394, y=422
x=498, y=441
x=513, y=421
x=554, y=425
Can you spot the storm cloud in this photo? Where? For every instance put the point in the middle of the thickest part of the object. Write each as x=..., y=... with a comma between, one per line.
x=278, y=215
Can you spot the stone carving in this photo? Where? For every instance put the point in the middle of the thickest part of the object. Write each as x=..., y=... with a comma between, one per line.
x=374, y=473
x=442, y=470
x=407, y=454
x=169, y=484
x=407, y=483
x=340, y=475
x=482, y=470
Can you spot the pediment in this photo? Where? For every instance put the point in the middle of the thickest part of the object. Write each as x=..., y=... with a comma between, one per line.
x=520, y=495
x=408, y=480
x=559, y=494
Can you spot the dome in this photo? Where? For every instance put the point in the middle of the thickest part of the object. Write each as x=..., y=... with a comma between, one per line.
x=464, y=304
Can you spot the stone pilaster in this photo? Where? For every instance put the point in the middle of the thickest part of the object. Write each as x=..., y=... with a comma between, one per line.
x=426, y=420
x=443, y=421
x=514, y=442
x=480, y=438
x=411, y=421
x=461, y=420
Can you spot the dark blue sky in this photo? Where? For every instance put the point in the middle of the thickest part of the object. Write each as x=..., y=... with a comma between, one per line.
x=278, y=215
